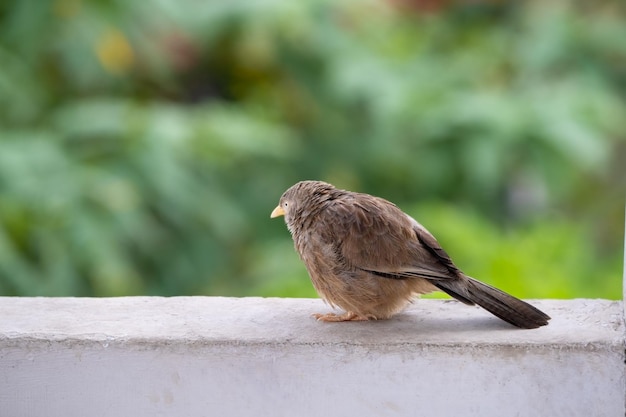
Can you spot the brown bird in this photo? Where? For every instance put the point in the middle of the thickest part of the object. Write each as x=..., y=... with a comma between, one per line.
x=368, y=257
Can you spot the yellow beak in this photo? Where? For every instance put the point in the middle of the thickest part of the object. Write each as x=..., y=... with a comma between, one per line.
x=278, y=211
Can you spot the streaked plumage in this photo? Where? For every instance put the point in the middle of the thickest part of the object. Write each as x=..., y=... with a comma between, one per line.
x=365, y=255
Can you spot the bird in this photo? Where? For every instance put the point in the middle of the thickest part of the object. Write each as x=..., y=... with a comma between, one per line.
x=369, y=258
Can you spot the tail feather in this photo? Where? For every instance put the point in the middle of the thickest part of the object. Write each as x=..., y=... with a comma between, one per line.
x=508, y=308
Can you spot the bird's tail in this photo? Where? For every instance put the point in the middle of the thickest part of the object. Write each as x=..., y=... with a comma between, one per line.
x=510, y=309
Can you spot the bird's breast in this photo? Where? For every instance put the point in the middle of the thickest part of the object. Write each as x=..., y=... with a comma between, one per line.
x=322, y=263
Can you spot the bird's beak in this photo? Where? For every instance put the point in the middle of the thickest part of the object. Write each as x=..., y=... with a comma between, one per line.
x=278, y=211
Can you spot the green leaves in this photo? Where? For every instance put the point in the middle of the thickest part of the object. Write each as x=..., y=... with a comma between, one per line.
x=144, y=143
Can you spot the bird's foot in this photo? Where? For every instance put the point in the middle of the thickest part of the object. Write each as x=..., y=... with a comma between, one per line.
x=347, y=316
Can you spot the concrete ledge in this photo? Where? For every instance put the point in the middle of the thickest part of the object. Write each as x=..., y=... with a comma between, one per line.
x=204, y=356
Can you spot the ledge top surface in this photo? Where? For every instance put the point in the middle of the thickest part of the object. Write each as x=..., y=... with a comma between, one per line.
x=221, y=320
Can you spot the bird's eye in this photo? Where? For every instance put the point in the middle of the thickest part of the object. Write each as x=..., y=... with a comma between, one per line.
x=285, y=204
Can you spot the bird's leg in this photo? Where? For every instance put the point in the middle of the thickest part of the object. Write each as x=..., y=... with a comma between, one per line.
x=347, y=316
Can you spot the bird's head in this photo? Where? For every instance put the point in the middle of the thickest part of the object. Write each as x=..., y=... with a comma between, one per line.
x=301, y=198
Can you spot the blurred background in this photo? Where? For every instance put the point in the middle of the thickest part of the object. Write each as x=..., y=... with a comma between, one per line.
x=144, y=143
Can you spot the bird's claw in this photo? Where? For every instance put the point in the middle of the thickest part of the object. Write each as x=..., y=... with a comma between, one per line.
x=347, y=316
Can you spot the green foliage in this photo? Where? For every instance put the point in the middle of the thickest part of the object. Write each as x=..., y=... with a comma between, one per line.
x=118, y=198
x=144, y=143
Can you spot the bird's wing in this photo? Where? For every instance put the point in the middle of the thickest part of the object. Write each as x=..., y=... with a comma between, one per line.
x=373, y=234
x=431, y=244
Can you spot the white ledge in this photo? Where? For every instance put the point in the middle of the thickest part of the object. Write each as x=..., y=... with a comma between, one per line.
x=198, y=356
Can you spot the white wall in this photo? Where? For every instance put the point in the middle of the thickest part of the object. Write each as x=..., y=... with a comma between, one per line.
x=203, y=356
